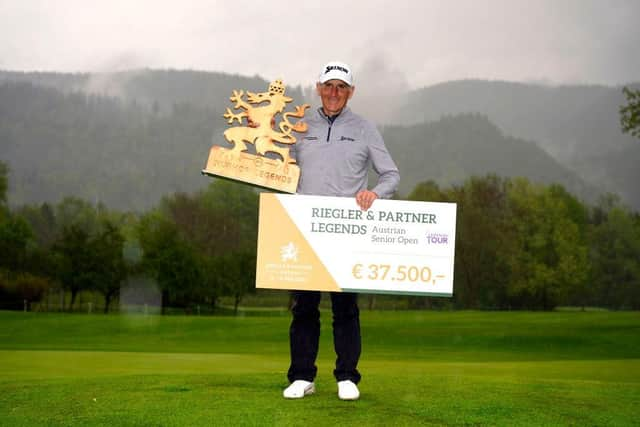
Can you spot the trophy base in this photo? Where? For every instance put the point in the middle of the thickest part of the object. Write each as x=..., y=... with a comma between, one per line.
x=253, y=169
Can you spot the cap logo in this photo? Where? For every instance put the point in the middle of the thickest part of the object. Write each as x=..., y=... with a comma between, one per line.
x=335, y=67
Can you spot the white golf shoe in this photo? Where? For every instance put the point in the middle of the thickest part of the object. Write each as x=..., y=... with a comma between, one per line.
x=299, y=389
x=347, y=390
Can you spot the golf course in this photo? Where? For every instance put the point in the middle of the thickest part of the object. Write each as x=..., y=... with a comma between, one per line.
x=418, y=367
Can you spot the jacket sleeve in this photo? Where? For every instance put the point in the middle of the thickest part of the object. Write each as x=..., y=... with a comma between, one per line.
x=383, y=165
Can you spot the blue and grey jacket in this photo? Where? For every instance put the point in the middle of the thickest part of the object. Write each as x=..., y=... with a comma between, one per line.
x=334, y=157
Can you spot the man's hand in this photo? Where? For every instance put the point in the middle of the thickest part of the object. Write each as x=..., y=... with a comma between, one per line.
x=365, y=199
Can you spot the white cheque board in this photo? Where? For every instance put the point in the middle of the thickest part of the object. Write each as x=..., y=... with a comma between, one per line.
x=330, y=244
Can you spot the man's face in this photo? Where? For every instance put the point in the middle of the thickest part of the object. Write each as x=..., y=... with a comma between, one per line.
x=334, y=95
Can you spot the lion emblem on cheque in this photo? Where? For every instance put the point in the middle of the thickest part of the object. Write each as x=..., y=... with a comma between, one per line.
x=260, y=119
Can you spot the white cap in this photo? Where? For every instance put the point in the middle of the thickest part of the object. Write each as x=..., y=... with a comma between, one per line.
x=336, y=70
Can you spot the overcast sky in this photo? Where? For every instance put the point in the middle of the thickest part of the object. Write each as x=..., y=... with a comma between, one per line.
x=399, y=43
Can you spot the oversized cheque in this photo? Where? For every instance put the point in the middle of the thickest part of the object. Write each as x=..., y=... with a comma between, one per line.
x=329, y=244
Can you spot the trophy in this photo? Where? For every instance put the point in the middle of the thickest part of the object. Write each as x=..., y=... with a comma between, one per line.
x=271, y=166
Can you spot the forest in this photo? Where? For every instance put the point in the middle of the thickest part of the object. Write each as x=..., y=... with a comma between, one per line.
x=519, y=245
x=100, y=186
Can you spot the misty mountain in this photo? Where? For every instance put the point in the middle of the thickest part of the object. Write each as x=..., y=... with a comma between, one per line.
x=578, y=125
x=126, y=139
x=98, y=148
x=453, y=148
x=156, y=89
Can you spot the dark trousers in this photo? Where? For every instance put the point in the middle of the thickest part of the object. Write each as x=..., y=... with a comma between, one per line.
x=304, y=335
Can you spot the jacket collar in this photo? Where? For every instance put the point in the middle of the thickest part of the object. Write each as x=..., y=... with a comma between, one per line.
x=332, y=119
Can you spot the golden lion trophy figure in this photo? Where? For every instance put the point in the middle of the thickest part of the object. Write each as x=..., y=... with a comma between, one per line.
x=278, y=170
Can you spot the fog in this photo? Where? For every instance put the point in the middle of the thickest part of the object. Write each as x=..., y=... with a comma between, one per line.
x=391, y=44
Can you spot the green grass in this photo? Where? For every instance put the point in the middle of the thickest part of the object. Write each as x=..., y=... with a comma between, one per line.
x=419, y=368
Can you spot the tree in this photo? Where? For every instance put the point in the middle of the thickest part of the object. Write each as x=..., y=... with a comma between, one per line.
x=237, y=207
x=236, y=270
x=42, y=220
x=630, y=113
x=108, y=266
x=206, y=227
x=75, y=271
x=4, y=172
x=482, y=239
x=549, y=257
x=15, y=235
x=22, y=290
x=615, y=256
x=72, y=211
x=427, y=191
x=220, y=225
x=169, y=258
x=79, y=230
x=578, y=214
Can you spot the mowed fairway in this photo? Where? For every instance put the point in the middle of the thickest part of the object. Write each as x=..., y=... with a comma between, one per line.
x=419, y=368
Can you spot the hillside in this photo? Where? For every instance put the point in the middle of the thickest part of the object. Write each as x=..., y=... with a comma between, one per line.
x=126, y=139
x=97, y=148
x=578, y=125
x=157, y=89
x=451, y=149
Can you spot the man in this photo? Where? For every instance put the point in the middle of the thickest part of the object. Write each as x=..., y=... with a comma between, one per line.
x=334, y=156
